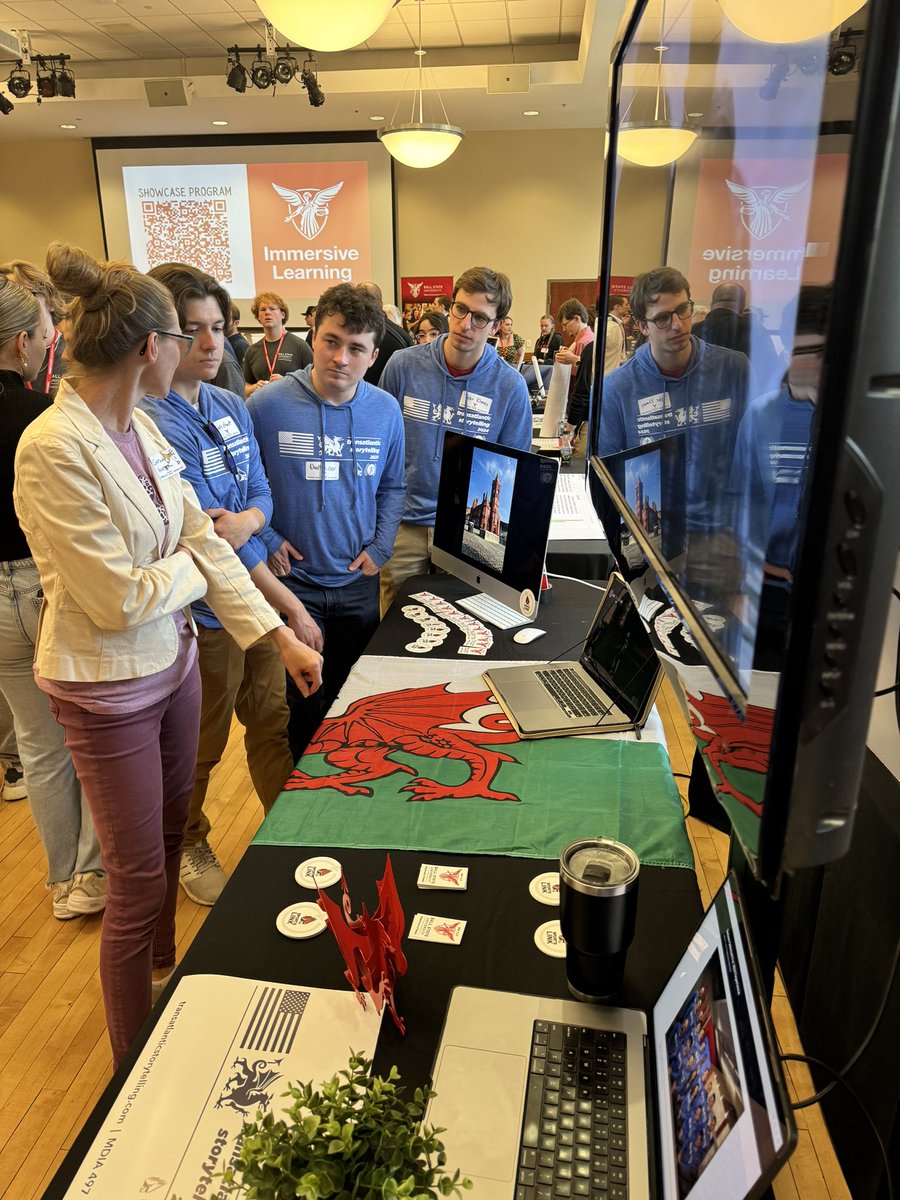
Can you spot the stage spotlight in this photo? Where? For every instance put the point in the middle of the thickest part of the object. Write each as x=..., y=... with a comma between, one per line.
x=6, y=106
x=19, y=82
x=313, y=91
x=286, y=68
x=65, y=84
x=261, y=73
x=46, y=83
x=237, y=75
x=842, y=59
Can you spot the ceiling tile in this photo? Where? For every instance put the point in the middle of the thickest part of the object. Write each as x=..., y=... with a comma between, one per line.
x=573, y=8
x=490, y=10
x=571, y=26
x=484, y=33
x=430, y=13
x=534, y=30
x=533, y=9
x=40, y=12
x=395, y=38
x=441, y=34
x=52, y=43
x=143, y=9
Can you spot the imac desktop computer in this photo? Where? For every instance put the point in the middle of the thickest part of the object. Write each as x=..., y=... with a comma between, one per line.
x=492, y=526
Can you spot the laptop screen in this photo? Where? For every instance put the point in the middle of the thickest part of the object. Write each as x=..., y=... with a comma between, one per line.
x=721, y=1105
x=618, y=653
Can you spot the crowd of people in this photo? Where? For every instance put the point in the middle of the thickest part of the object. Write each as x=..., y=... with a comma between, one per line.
x=245, y=514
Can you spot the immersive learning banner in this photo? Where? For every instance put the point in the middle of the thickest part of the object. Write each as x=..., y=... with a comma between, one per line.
x=293, y=228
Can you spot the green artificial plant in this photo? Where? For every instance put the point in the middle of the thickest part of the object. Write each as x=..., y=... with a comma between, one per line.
x=356, y=1139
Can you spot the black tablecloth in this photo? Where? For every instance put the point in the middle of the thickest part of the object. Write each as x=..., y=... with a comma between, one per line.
x=497, y=950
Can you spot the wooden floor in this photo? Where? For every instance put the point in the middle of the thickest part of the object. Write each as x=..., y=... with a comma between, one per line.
x=54, y=1056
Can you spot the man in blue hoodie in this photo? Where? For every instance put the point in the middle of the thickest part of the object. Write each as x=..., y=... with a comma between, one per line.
x=677, y=384
x=211, y=431
x=332, y=446
x=459, y=383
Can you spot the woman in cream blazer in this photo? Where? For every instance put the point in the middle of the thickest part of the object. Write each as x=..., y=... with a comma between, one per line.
x=122, y=548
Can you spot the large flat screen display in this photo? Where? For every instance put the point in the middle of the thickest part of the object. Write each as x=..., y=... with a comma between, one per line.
x=292, y=218
x=762, y=343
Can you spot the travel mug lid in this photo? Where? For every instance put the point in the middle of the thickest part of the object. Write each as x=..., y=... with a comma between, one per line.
x=599, y=866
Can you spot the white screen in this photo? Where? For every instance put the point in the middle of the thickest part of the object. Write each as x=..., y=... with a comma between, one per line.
x=293, y=219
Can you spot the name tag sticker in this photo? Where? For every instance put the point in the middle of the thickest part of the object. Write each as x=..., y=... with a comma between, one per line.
x=314, y=470
x=167, y=462
x=653, y=404
x=475, y=403
x=227, y=426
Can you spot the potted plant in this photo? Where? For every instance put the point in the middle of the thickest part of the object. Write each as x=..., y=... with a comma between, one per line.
x=356, y=1139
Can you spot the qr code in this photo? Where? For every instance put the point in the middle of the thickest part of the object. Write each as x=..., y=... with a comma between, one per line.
x=189, y=231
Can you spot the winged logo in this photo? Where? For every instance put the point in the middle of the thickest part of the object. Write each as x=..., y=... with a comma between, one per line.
x=308, y=208
x=764, y=208
x=415, y=288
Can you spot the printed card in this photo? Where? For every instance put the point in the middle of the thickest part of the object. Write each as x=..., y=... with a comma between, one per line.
x=447, y=930
x=435, y=878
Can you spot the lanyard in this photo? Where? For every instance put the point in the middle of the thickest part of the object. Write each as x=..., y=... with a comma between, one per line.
x=272, y=365
x=51, y=356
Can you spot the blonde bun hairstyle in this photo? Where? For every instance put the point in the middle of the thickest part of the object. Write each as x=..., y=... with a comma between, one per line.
x=114, y=306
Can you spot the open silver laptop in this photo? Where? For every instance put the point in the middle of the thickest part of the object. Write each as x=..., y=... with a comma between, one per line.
x=690, y=1106
x=610, y=689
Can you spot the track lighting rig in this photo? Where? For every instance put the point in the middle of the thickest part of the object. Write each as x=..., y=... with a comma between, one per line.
x=272, y=65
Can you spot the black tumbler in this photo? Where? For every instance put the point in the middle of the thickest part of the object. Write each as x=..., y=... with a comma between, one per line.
x=598, y=895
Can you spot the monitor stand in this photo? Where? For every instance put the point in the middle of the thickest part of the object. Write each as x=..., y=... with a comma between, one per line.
x=486, y=608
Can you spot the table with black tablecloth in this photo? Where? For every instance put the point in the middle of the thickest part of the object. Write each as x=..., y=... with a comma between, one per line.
x=498, y=949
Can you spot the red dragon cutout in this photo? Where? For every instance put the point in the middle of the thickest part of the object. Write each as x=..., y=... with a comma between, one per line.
x=360, y=743
x=725, y=740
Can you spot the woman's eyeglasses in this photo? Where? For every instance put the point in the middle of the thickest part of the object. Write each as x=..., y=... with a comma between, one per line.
x=186, y=339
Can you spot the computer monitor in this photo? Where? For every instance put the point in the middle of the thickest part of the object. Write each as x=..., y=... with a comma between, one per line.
x=493, y=519
x=767, y=594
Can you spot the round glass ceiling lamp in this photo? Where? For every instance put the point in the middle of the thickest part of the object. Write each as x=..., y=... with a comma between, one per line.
x=778, y=21
x=420, y=146
x=324, y=25
x=653, y=143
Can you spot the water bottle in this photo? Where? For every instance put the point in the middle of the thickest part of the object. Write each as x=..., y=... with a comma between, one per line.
x=565, y=442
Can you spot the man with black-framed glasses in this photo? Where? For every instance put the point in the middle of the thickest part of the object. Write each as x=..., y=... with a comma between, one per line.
x=211, y=430
x=675, y=383
x=455, y=382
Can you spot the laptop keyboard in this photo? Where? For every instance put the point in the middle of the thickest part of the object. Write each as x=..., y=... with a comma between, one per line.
x=573, y=1132
x=570, y=693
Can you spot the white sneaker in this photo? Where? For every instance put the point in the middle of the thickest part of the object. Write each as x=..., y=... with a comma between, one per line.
x=60, y=893
x=201, y=874
x=88, y=894
x=14, y=786
x=158, y=986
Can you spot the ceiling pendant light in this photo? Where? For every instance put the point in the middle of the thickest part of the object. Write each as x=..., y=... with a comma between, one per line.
x=657, y=141
x=324, y=25
x=419, y=144
x=795, y=21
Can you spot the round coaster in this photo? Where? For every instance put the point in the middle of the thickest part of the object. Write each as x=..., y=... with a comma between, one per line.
x=545, y=888
x=318, y=872
x=549, y=939
x=419, y=647
x=303, y=920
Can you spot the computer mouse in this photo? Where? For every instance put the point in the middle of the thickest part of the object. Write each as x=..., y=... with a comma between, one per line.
x=529, y=634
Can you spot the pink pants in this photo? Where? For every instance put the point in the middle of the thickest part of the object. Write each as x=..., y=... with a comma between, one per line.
x=137, y=772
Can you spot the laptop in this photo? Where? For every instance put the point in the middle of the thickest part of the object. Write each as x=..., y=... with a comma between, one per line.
x=610, y=689
x=686, y=1102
